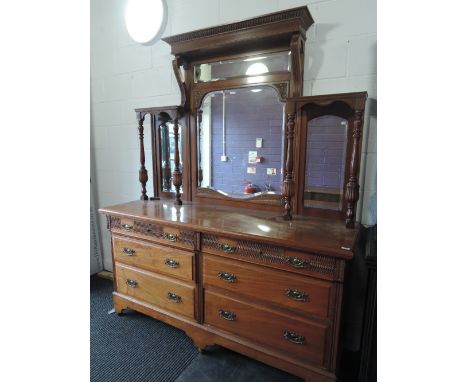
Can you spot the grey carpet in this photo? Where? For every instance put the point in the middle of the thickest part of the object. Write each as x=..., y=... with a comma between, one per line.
x=222, y=365
x=137, y=348
x=133, y=347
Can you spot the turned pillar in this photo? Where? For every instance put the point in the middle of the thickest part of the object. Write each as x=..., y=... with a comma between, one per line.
x=177, y=174
x=143, y=174
x=288, y=183
x=352, y=187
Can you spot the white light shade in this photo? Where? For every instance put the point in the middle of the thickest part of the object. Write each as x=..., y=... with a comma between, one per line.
x=145, y=19
x=256, y=69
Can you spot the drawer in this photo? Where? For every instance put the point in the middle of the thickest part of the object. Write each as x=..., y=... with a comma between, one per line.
x=157, y=290
x=153, y=257
x=290, y=290
x=311, y=264
x=172, y=236
x=298, y=338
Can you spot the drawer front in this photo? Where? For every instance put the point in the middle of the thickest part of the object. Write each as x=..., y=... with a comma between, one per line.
x=302, y=339
x=172, y=236
x=324, y=267
x=292, y=291
x=156, y=290
x=153, y=257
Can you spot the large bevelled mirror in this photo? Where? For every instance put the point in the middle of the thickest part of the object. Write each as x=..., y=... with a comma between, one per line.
x=325, y=162
x=240, y=142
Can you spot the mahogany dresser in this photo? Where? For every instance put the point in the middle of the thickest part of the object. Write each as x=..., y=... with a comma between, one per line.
x=253, y=217
x=244, y=279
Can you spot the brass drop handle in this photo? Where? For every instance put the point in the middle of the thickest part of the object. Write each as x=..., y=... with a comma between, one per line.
x=174, y=297
x=297, y=262
x=127, y=226
x=170, y=236
x=228, y=248
x=293, y=337
x=171, y=263
x=296, y=294
x=228, y=277
x=227, y=315
x=132, y=283
x=128, y=251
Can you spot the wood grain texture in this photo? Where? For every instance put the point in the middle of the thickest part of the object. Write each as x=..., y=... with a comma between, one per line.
x=317, y=235
x=266, y=326
x=259, y=32
x=203, y=335
x=269, y=286
x=156, y=258
x=154, y=289
x=163, y=234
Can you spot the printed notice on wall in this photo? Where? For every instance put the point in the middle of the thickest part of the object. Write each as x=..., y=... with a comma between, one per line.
x=252, y=157
x=251, y=170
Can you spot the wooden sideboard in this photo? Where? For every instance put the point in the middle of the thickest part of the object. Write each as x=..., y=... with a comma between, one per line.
x=260, y=273
x=241, y=278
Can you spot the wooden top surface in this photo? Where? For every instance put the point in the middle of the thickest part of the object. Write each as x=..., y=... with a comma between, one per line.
x=302, y=233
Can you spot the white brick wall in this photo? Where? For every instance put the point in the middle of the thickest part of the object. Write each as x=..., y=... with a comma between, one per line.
x=340, y=57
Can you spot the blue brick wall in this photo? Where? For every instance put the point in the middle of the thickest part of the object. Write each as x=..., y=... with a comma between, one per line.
x=249, y=116
x=326, y=150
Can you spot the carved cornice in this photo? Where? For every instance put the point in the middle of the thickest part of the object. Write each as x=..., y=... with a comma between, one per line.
x=301, y=13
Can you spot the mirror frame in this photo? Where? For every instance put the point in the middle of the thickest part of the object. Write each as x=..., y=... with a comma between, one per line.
x=351, y=107
x=201, y=193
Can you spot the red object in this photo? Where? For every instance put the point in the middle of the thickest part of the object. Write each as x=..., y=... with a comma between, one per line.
x=249, y=189
x=259, y=159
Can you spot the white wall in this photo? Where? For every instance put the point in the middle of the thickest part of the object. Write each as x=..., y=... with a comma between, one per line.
x=340, y=57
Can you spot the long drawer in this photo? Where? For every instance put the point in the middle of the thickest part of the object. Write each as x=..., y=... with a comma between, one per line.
x=153, y=257
x=303, y=339
x=311, y=264
x=157, y=290
x=175, y=237
x=298, y=293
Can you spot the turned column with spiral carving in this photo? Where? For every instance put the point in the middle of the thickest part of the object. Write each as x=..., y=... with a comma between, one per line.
x=288, y=183
x=352, y=187
x=143, y=174
x=177, y=174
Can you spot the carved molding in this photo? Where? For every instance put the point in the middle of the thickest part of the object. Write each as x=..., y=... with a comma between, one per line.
x=188, y=238
x=301, y=13
x=197, y=96
x=182, y=88
x=282, y=88
x=271, y=254
x=297, y=69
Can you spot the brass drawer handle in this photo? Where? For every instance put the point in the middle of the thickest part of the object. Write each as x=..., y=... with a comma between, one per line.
x=227, y=315
x=127, y=226
x=297, y=262
x=228, y=248
x=132, y=283
x=174, y=297
x=293, y=337
x=171, y=263
x=170, y=236
x=128, y=251
x=296, y=294
x=226, y=276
